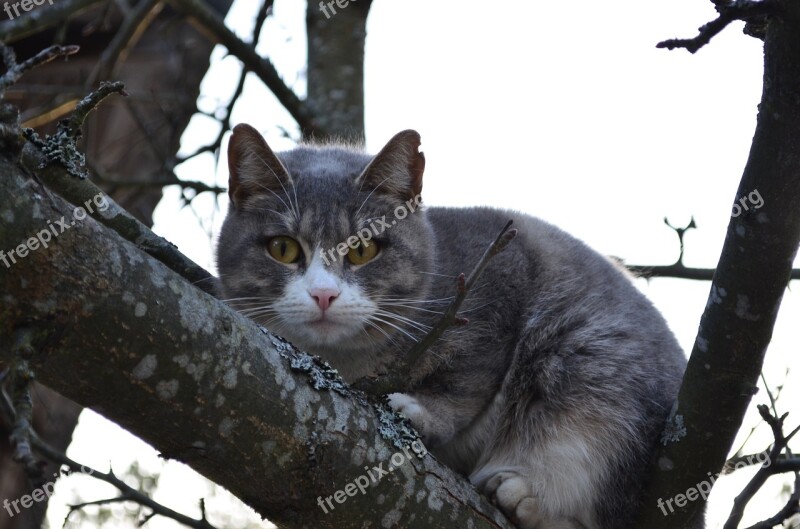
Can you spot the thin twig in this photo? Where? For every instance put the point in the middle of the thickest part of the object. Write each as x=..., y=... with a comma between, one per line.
x=680, y=232
x=60, y=148
x=728, y=12
x=72, y=126
x=169, y=179
x=127, y=493
x=15, y=71
x=132, y=28
x=263, y=68
x=400, y=375
x=20, y=399
x=791, y=508
x=761, y=476
x=682, y=272
x=214, y=146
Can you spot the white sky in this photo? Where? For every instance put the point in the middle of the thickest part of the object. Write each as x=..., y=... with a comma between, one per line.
x=563, y=110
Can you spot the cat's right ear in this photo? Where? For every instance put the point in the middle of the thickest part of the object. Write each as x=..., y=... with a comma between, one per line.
x=254, y=168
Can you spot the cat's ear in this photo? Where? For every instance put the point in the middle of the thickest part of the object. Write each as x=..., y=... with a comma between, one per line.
x=254, y=168
x=397, y=169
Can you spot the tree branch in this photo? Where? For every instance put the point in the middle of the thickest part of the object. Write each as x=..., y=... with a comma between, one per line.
x=750, y=280
x=225, y=122
x=679, y=271
x=127, y=493
x=245, y=409
x=728, y=12
x=82, y=191
x=260, y=66
x=38, y=20
x=15, y=71
x=755, y=484
x=132, y=28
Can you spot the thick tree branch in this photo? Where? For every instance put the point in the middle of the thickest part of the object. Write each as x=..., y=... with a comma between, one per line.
x=82, y=191
x=243, y=407
x=752, y=275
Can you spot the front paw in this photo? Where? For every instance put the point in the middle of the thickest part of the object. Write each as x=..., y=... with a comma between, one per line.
x=414, y=411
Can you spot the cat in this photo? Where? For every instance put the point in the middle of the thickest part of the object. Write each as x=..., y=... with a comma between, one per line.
x=550, y=399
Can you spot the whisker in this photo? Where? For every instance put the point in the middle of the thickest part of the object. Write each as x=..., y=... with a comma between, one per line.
x=412, y=337
x=411, y=307
x=414, y=324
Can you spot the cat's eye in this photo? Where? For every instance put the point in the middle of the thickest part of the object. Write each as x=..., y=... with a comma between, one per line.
x=284, y=249
x=363, y=253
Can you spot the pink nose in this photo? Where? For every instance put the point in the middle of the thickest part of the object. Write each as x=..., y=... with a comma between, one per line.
x=324, y=296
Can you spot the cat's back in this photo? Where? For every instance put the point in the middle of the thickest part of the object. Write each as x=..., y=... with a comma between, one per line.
x=549, y=275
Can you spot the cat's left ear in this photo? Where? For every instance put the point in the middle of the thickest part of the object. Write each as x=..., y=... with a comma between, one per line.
x=397, y=169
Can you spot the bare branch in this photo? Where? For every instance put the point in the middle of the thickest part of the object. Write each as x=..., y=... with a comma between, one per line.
x=214, y=146
x=260, y=66
x=72, y=126
x=15, y=415
x=748, y=286
x=728, y=12
x=781, y=442
x=15, y=71
x=38, y=20
x=791, y=508
x=134, y=25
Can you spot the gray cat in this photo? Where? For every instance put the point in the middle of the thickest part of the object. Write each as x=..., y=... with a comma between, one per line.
x=550, y=399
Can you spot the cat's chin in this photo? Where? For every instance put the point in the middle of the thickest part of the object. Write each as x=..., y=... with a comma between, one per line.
x=329, y=338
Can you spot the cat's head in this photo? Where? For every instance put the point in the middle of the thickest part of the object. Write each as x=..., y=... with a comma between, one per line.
x=325, y=245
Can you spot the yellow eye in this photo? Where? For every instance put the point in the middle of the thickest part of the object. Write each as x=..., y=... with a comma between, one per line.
x=284, y=249
x=363, y=253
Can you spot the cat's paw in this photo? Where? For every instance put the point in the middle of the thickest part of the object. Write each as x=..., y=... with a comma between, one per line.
x=412, y=410
x=513, y=494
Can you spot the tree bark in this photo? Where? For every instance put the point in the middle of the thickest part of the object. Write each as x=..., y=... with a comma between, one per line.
x=750, y=279
x=131, y=144
x=117, y=331
x=336, y=38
